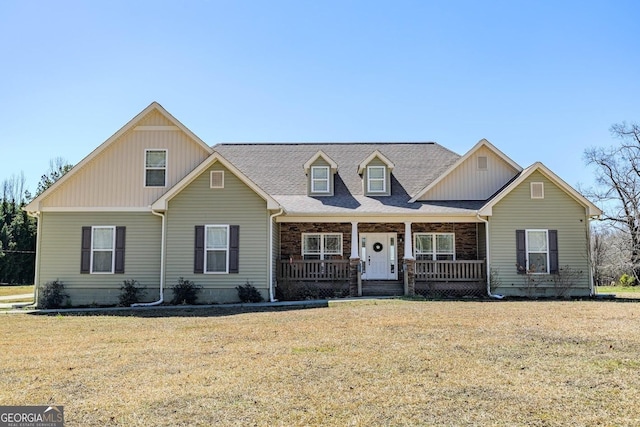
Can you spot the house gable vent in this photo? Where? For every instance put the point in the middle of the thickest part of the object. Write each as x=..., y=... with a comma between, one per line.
x=537, y=190
x=216, y=179
x=482, y=163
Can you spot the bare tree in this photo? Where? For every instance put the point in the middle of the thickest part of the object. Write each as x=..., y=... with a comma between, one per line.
x=13, y=189
x=618, y=185
x=57, y=168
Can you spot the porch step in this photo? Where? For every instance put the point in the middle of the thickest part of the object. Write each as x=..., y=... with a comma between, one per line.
x=372, y=288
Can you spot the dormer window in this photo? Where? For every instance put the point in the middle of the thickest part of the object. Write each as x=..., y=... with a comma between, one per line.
x=376, y=179
x=320, y=179
x=376, y=174
x=320, y=170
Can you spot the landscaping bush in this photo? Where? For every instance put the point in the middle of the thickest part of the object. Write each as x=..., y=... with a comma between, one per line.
x=627, y=280
x=185, y=292
x=52, y=295
x=249, y=293
x=131, y=293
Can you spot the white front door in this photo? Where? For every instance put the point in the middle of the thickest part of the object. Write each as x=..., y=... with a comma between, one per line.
x=378, y=255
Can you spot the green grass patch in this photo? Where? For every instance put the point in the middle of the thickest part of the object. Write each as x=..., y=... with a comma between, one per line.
x=618, y=290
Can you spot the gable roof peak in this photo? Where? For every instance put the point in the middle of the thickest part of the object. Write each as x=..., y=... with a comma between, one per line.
x=34, y=205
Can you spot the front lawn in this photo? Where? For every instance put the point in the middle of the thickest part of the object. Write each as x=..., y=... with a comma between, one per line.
x=385, y=362
x=6, y=290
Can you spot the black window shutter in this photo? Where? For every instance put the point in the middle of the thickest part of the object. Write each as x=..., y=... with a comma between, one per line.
x=234, y=248
x=120, y=239
x=554, y=268
x=521, y=252
x=198, y=256
x=85, y=251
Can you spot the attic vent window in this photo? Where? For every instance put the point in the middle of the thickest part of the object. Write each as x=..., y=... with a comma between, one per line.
x=216, y=179
x=537, y=190
x=482, y=163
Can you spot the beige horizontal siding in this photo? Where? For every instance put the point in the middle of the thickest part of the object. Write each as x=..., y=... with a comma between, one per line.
x=59, y=256
x=557, y=211
x=115, y=177
x=235, y=204
x=466, y=182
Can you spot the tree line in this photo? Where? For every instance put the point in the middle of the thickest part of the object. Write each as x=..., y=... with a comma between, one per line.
x=17, y=228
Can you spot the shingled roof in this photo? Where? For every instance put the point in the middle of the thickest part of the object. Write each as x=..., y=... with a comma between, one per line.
x=279, y=170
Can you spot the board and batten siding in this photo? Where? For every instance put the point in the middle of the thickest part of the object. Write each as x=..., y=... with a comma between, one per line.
x=235, y=204
x=60, y=251
x=116, y=176
x=467, y=182
x=556, y=211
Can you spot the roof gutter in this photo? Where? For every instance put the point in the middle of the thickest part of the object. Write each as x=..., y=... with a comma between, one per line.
x=272, y=297
x=162, y=262
x=486, y=230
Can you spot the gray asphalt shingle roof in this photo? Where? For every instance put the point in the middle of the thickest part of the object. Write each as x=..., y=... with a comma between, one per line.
x=279, y=170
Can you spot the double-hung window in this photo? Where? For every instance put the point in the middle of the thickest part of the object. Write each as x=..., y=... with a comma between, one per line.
x=435, y=246
x=103, y=243
x=319, y=179
x=102, y=250
x=321, y=245
x=376, y=179
x=537, y=251
x=216, y=258
x=155, y=168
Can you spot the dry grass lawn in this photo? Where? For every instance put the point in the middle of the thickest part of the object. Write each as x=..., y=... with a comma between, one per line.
x=6, y=290
x=385, y=362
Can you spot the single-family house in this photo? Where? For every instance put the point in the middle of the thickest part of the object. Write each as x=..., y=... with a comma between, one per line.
x=154, y=203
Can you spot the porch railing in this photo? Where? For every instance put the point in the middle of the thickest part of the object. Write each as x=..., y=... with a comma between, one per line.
x=314, y=270
x=338, y=270
x=450, y=271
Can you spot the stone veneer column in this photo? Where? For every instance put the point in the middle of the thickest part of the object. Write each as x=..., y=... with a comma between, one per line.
x=354, y=274
x=409, y=276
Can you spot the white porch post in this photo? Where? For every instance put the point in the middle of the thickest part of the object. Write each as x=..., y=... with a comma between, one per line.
x=354, y=240
x=408, y=241
x=355, y=281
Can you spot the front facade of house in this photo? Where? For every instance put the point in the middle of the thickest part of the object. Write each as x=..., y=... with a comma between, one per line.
x=156, y=204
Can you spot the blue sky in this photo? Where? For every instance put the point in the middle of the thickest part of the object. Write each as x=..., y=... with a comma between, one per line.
x=541, y=80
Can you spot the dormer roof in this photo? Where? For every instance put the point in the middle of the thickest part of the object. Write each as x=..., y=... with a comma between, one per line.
x=320, y=154
x=375, y=154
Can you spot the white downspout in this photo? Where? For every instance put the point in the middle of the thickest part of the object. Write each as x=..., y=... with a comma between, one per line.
x=272, y=297
x=162, y=262
x=486, y=231
x=36, y=275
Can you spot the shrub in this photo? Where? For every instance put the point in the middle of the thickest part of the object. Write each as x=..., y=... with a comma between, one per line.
x=627, y=280
x=249, y=293
x=52, y=295
x=185, y=292
x=131, y=293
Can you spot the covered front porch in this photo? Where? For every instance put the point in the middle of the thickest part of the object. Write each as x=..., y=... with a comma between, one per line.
x=438, y=260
